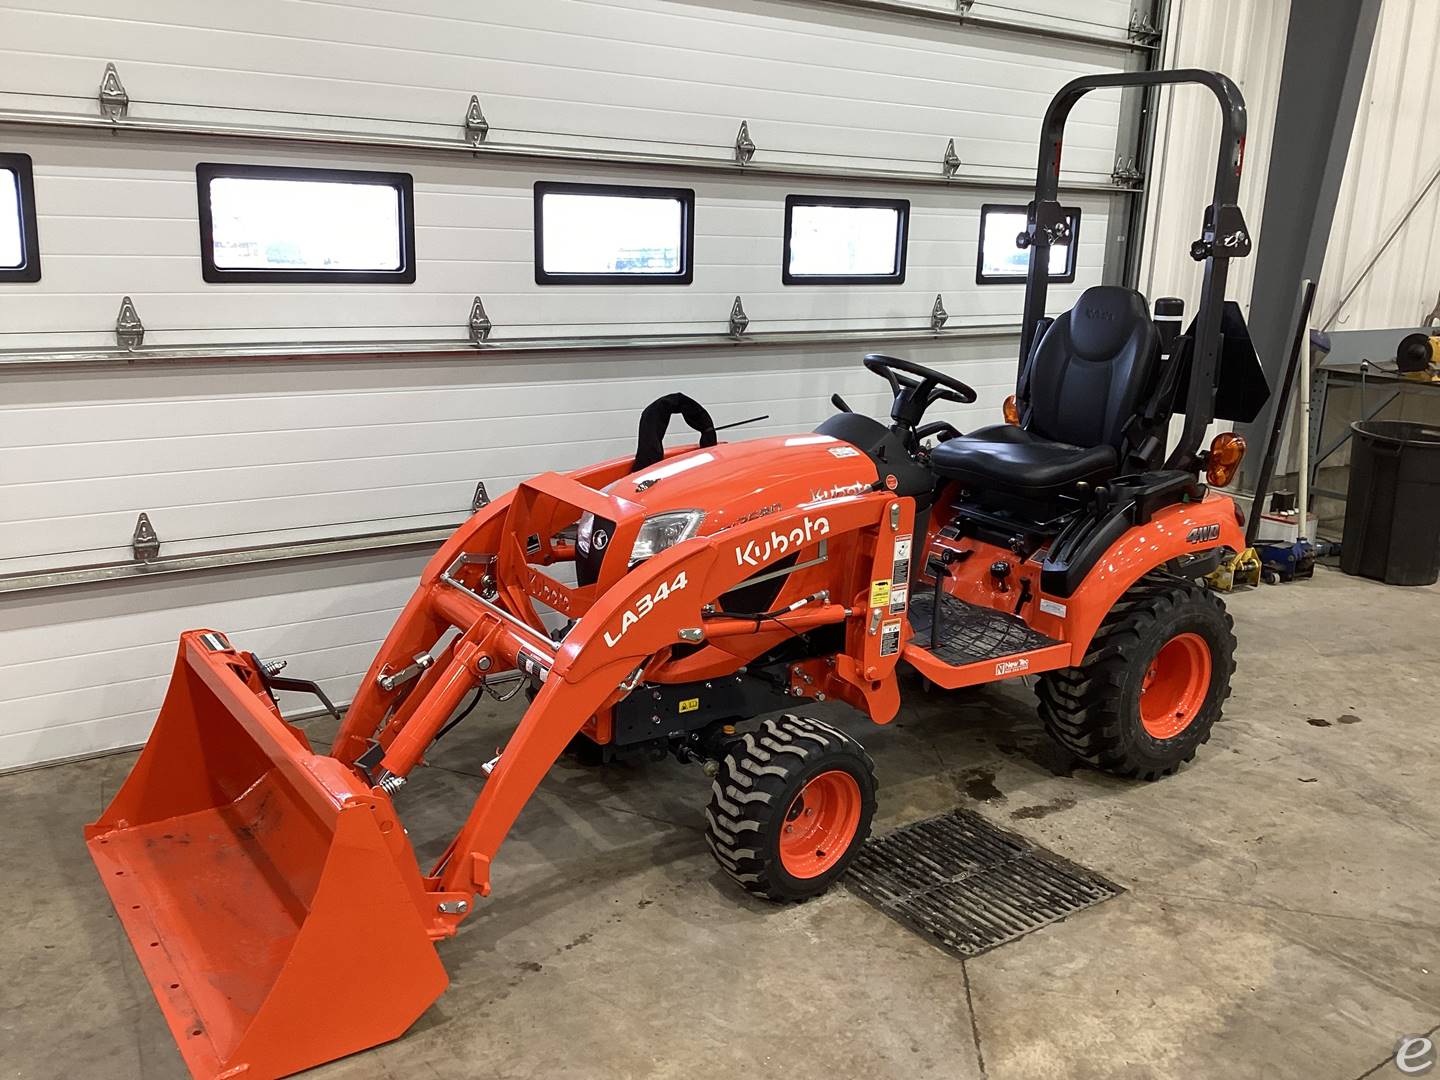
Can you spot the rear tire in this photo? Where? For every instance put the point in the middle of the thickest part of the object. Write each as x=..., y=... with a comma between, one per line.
x=790, y=807
x=1152, y=684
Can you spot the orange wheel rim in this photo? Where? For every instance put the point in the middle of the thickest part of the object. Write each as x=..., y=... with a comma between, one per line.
x=820, y=824
x=1175, y=686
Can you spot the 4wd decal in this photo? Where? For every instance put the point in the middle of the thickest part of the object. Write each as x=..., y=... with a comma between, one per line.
x=644, y=606
x=1201, y=533
x=760, y=552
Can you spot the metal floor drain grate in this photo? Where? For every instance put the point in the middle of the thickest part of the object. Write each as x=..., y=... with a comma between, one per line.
x=968, y=886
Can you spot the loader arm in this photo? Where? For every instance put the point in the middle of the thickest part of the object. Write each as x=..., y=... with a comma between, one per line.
x=667, y=600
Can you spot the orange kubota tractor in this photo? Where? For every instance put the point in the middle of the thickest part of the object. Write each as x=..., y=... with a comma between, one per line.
x=270, y=891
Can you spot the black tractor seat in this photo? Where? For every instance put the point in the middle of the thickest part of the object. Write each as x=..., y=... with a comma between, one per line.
x=1087, y=378
x=1019, y=460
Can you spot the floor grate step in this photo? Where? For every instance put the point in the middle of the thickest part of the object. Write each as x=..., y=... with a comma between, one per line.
x=967, y=885
x=970, y=633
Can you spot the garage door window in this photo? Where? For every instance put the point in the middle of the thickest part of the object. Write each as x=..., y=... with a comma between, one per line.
x=602, y=234
x=1001, y=262
x=273, y=224
x=838, y=241
x=19, y=243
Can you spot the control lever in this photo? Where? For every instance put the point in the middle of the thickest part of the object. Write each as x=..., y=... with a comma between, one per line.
x=1000, y=574
x=938, y=567
x=270, y=675
x=839, y=403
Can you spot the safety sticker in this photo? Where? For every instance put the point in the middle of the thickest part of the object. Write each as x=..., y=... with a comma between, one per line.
x=890, y=638
x=690, y=704
x=1050, y=607
x=844, y=451
x=898, y=596
x=901, y=571
x=880, y=594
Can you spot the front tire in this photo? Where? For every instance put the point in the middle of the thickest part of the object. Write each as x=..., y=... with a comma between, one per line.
x=790, y=807
x=1152, y=684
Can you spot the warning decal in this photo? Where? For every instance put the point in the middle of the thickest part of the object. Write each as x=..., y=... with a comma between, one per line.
x=898, y=596
x=880, y=594
x=890, y=638
x=901, y=572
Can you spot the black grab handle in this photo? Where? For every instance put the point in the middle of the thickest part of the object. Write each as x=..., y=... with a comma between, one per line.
x=656, y=419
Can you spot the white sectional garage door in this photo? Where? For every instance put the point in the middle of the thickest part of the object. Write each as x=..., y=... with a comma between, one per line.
x=258, y=414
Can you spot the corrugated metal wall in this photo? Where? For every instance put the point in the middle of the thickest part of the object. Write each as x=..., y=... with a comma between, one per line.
x=1383, y=257
x=1245, y=40
x=1382, y=266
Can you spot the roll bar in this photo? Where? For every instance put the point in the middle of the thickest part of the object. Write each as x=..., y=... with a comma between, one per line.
x=1224, y=235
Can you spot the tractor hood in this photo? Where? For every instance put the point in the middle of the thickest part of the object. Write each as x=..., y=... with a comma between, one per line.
x=732, y=483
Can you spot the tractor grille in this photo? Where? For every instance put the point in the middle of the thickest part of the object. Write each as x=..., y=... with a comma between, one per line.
x=970, y=633
x=967, y=886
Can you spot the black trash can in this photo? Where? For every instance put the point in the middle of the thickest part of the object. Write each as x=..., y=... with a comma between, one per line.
x=1392, y=507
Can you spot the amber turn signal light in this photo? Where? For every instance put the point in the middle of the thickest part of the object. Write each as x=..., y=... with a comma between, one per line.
x=1012, y=411
x=1226, y=453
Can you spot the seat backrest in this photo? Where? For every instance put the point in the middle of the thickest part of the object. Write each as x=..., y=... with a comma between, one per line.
x=1093, y=368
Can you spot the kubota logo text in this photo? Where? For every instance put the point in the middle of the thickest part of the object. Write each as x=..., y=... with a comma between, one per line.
x=644, y=606
x=760, y=552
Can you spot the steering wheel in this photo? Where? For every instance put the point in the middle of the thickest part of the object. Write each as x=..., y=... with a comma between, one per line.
x=916, y=387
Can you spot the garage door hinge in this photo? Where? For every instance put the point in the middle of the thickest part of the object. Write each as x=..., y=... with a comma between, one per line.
x=129, y=330
x=476, y=126
x=1141, y=29
x=1126, y=173
x=481, y=498
x=738, y=319
x=938, y=315
x=114, y=101
x=744, y=145
x=950, y=163
x=480, y=325
x=145, y=544
x=962, y=7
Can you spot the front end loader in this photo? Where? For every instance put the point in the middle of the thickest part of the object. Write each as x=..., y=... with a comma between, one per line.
x=680, y=603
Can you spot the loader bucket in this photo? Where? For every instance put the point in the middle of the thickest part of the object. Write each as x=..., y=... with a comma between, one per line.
x=271, y=897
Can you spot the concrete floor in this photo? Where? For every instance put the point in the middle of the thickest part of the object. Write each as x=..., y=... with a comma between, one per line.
x=1281, y=916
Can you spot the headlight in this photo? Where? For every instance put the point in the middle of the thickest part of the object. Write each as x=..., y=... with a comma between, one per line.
x=665, y=530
